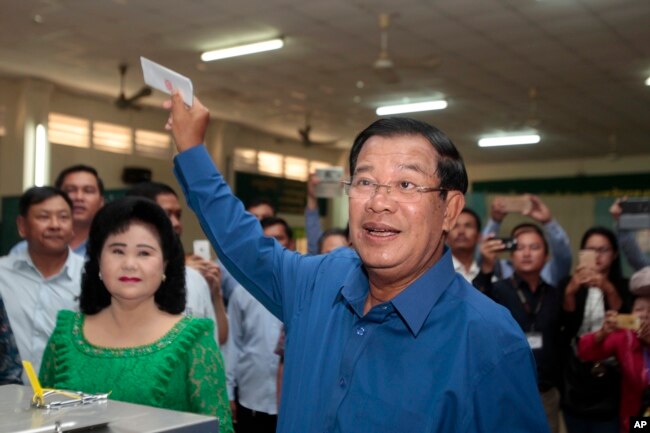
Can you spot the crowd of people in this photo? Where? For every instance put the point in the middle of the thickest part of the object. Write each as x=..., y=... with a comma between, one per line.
x=416, y=317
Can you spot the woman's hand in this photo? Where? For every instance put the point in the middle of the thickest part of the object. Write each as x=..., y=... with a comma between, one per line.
x=609, y=325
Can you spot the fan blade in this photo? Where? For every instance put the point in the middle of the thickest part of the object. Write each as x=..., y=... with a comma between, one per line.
x=145, y=91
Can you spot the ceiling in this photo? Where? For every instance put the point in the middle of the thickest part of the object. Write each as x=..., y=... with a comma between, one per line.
x=585, y=60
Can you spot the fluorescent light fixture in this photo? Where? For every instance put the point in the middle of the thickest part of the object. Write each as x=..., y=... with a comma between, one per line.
x=509, y=140
x=412, y=108
x=41, y=156
x=647, y=81
x=242, y=50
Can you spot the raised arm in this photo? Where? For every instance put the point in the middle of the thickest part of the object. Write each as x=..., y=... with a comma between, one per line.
x=259, y=263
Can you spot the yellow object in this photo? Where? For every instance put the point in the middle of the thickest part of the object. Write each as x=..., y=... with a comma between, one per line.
x=36, y=385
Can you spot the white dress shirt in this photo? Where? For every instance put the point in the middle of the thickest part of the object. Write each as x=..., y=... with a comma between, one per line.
x=251, y=362
x=468, y=275
x=199, y=300
x=32, y=301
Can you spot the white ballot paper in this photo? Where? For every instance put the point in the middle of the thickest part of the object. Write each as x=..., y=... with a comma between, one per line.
x=166, y=80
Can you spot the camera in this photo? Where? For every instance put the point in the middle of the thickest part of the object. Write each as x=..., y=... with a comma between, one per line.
x=510, y=243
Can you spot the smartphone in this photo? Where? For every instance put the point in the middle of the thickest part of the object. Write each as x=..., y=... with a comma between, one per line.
x=201, y=248
x=628, y=321
x=515, y=204
x=329, y=184
x=587, y=259
x=510, y=243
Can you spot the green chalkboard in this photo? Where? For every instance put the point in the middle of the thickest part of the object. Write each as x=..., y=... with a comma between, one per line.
x=287, y=196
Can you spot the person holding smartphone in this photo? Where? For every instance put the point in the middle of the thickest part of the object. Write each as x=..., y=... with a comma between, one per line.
x=591, y=389
x=558, y=265
x=631, y=347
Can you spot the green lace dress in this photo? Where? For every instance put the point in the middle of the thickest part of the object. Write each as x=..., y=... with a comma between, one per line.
x=181, y=371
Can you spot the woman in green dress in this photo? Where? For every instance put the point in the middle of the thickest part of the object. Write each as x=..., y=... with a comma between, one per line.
x=130, y=338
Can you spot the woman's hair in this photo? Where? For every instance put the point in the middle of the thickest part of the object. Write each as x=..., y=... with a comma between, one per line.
x=117, y=217
x=615, y=270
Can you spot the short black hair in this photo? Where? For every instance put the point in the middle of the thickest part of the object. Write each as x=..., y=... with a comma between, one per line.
x=38, y=194
x=116, y=217
x=334, y=231
x=471, y=212
x=527, y=228
x=450, y=169
x=77, y=168
x=615, y=269
x=258, y=201
x=271, y=221
x=151, y=190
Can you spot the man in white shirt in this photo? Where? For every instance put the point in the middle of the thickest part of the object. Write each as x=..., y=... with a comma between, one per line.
x=46, y=277
x=462, y=240
x=251, y=361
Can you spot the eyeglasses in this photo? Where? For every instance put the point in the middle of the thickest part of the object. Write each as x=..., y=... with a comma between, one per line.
x=402, y=191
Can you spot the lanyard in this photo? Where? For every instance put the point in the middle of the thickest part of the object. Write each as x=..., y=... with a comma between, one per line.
x=532, y=315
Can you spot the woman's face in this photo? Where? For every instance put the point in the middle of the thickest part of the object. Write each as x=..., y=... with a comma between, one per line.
x=605, y=254
x=131, y=263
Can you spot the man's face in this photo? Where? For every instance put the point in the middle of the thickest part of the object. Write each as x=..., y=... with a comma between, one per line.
x=47, y=227
x=530, y=255
x=169, y=202
x=400, y=240
x=261, y=211
x=464, y=236
x=278, y=232
x=83, y=190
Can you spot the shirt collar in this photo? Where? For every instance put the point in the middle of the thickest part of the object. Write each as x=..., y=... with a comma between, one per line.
x=415, y=302
x=23, y=260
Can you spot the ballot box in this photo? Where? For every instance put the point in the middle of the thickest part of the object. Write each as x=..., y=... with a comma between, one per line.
x=17, y=415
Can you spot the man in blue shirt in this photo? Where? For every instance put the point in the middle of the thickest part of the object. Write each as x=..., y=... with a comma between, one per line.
x=385, y=337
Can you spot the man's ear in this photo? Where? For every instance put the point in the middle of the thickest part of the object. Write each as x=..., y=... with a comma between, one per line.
x=454, y=205
x=21, y=224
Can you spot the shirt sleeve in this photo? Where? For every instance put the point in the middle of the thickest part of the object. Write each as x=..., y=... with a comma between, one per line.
x=630, y=247
x=276, y=277
x=590, y=350
x=206, y=382
x=235, y=341
x=313, y=230
x=228, y=282
x=559, y=265
x=506, y=398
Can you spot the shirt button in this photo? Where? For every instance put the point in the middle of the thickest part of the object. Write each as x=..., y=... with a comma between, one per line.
x=385, y=307
x=361, y=330
x=342, y=382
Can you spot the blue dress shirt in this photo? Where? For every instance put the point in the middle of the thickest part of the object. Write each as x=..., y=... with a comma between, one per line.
x=439, y=357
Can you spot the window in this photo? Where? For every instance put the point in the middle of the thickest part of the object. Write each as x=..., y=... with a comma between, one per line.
x=151, y=143
x=275, y=164
x=68, y=130
x=111, y=137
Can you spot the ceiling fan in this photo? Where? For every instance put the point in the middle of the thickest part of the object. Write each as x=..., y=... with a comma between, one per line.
x=303, y=133
x=384, y=65
x=124, y=103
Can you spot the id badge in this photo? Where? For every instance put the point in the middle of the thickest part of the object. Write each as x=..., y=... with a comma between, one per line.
x=535, y=340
